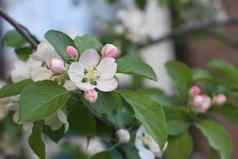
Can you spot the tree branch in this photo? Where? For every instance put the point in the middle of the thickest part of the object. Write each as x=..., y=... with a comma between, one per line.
x=21, y=29
x=193, y=27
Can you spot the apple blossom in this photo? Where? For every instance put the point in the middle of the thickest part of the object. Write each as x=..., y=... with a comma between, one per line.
x=146, y=145
x=202, y=103
x=123, y=135
x=90, y=72
x=91, y=95
x=72, y=52
x=195, y=90
x=110, y=50
x=57, y=65
x=219, y=99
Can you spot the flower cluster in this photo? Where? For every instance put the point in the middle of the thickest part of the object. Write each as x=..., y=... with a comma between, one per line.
x=202, y=102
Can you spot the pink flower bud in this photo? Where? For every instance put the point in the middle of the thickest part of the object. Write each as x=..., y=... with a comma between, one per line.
x=72, y=52
x=110, y=50
x=57, y=65
x=91, y=95
x=202, y=103
x=195, y=90
x=219, y=99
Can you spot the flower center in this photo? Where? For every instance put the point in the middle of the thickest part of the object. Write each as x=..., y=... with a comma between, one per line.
x=91, y=75
x=146, y=140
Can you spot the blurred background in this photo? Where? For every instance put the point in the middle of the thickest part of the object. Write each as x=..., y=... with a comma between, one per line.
x=128, y=24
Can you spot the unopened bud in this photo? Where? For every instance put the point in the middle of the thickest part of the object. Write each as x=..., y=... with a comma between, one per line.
x=123, y=135
x=110, y=50
x=219, y=99
x=91, y=95
x=72, y=52
x=195, y=90
x=57, y=65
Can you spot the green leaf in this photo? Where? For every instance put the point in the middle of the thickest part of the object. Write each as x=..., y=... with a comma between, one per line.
x=141, y=4
x=14, y=89
x=135, y=66
x=181, y=76
x=59, y=41
x=227, y=70
x=217, y=137
x=23, y=53
x=13, y=39
x=228, y=111
x=86, y=42
x=54, y=135
x=149, y=113
x=112, y=108
x=80, y=119
x=176, y=127
x=199, y=74
x=41, y=99
x=36, y=142
x=179, y=147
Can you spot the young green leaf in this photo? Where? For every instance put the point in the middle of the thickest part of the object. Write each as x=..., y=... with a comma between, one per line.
x=149, y=113
x=217, y=137
x=224, y=69
x=41, y=99
x=14, y=89
x=81, y=121
x=36, y=142
x=86, y=42
x=13, y=39
x=103, y=155
x=111, y=107
x=135, y=66
x=59, y=41
x=23, y=53
x=179, y=147
x=181, y=76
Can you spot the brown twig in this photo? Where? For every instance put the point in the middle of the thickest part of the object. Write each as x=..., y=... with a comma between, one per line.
x=193, y=27
x=21, y=29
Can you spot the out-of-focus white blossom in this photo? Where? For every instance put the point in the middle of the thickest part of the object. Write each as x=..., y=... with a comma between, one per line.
x=91, y=72
x=146, y=145
x=219, y=99
x=57, y=120
x=202, y=103
x=57, y=66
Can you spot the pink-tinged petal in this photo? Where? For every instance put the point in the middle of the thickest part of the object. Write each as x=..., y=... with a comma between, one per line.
x=76, y=72
x=89, y=58
x=107, y=85
x=107, y=68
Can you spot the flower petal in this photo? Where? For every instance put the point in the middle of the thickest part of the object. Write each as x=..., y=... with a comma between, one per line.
x=76, y=74
x=89, y=58
x=107, y=85
x=107, y=68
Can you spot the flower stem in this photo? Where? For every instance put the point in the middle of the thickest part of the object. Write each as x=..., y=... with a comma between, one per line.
x=26, y=34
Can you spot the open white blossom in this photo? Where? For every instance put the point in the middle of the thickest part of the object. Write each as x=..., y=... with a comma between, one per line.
x=90, y=72
x=36, y=66
x=146, y=145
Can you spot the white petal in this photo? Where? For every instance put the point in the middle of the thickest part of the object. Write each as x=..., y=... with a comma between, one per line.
x=40, y=74
x=69, y=85
x=76, y=74
x=107, y=68
x=63, y=118
x=20, y=72
x=45, y=52
x=107, y=85
x=89, y=58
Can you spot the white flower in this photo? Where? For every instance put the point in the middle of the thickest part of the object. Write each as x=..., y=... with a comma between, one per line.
x=123, y=135
x=147, y=147
x=45, y=53
x=69, y=85
x=219, y=99
x=57, y=66
x=90, y=72
x=20, y=71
